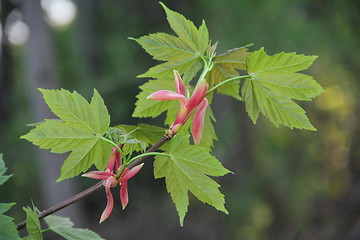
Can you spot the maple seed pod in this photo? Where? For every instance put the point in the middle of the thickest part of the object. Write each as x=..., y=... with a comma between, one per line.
x=167, y=95
x=132, y=172
x=198, y=122
x=198, y=95
x=114, y=162
x=182, y=116
x=179, y=83
x=110, y=200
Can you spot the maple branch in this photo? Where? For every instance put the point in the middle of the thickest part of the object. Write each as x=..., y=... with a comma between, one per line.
x=95, y=187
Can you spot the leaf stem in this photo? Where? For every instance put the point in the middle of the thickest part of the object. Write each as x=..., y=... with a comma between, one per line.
x=227, y=81
x=112, y=143
x=207, y=68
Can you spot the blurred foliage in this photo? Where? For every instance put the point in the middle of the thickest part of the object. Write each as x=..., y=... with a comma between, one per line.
x=288, y=184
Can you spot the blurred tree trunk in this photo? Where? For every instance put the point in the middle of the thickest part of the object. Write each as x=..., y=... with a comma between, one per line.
x=40, y=72
x=5, y=64
x=349, y=206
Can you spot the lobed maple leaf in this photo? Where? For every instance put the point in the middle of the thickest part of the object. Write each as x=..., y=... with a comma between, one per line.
x=274, y=83
x=188, y=168
x=181, y=52
x=79, y=130
x=226, y=66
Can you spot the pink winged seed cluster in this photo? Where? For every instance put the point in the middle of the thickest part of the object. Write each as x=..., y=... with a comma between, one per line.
x=109, y=175
x=187, y=106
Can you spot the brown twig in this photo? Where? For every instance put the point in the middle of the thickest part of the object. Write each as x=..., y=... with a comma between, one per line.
x=93, y=188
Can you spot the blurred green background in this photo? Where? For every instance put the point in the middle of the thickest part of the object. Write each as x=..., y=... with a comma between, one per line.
x=288, y=184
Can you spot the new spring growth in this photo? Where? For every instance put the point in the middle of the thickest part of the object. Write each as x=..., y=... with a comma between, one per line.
x=110, y=180
x=187, y=106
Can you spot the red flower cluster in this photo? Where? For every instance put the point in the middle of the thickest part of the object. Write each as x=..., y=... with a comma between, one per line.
x=187, y=106
x=109, y=175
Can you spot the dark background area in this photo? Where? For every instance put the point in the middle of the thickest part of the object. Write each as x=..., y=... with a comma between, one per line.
x=288, y=184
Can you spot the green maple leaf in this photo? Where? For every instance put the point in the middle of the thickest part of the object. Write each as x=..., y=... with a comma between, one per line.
x=151, y=108
x=3, y=178
x=226, y=66
x=33, y=224
x=149, y=134
x=188, y=168
x=80, y=130
x=64, y=227
x=274, y=83
x=137, y=138
x=7, y=226
x=182, y=52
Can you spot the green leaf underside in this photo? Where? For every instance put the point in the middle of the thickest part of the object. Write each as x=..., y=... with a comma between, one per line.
x=147, y=133
x=7, y=226
x=137, y=138
x=33, y=224
x=188, y=169
x=226, y=66
x=64, y=227
x=274, y=84
x=153, y=108
x=181, y=52
x=3, y=178
x=79, y=131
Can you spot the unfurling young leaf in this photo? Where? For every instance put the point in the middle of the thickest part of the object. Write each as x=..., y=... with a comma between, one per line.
x=33, y=224
x=149, y=134
x=188, y=169
x=274, y=83
x=181, y=53
x=64, y=227
x=79, y=130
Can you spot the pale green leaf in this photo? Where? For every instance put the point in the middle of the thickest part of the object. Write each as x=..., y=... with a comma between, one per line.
x=182, y=52
x=197, y=39
x=187, y=67
x=33, y=224
x=188, y=169
x=153, y=108
x=101, y=117
x=273, y=85
x=7, y=226
x=147, y=133
x=86, y=154
x=73, y=108
x=165, y=47
x=137, y=138
x=226, y=66
x=292, y=85
x=249, y=96
x=259, y=62
x=279, y=109
x=80, y=130
x=64, y=227
x=3, y=178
